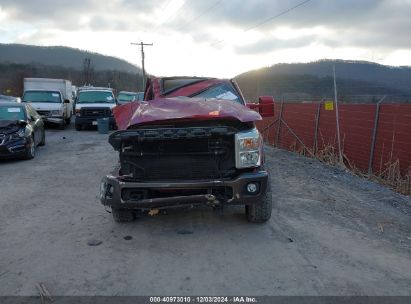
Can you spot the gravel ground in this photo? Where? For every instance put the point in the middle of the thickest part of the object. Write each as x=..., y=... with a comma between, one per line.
x=331, y=233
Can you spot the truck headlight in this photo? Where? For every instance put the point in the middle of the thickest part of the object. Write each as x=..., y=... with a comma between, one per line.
x=78, y=112
x=55, y=112
x=106, y=190
x=103, y=189
x=248, y=146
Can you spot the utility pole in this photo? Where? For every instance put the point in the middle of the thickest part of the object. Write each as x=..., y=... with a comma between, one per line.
x=142, y=44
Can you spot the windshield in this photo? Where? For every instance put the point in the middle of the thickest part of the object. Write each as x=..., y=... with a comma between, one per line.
x=95, y=97
x=42, y=96
x=11, y=113
x=222, y=91
x=140, y=96
x=126, y=97
x=7, y=98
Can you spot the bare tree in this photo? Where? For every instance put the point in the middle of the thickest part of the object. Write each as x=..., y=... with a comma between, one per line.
x=88, y=71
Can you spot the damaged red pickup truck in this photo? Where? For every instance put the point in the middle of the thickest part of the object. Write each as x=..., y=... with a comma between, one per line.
x=191, y=141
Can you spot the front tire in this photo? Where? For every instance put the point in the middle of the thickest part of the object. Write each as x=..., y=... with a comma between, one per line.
x=43, y=140
x=122, y=215
x=78, y=127
x=31, y=150
x=261, y=212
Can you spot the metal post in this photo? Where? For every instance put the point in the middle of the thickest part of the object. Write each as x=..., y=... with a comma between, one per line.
x=374, y=135
x=317, y=122
x=298, y=139
x=280, y=119
x=338, y=120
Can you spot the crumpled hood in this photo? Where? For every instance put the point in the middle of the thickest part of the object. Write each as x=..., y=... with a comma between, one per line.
x=166, y=109
x=9, y=126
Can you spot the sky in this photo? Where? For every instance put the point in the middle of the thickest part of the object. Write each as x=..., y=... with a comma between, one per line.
x=220, y=38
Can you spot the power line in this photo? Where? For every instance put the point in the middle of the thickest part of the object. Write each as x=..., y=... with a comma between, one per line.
x=276, y=16
x=268, y=19
x=163, y=7
x=206, y=11
x=166, y=4
x=169, y=17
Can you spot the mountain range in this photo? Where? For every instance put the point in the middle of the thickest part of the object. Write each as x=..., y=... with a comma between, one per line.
x=315, y=79
x=62, y=56
x=365, y=81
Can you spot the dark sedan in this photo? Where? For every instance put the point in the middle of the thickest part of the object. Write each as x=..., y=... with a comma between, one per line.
x=21, y=130
x=6, y=98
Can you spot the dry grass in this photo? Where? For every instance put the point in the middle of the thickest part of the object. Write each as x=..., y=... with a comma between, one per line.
x=328, y=154
x=391, y=176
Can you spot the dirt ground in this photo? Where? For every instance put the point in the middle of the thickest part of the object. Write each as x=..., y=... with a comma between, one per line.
x=331, y=233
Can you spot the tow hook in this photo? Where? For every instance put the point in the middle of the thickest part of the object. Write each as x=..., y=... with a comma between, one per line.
x=211, y=200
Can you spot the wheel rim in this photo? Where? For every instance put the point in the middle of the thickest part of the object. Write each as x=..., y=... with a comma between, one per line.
x=32, y=148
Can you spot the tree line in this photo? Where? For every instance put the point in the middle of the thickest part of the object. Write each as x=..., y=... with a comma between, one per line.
x=12, y=75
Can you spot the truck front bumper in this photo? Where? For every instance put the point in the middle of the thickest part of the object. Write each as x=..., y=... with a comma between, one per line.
x=92, y=121
x=114, y=192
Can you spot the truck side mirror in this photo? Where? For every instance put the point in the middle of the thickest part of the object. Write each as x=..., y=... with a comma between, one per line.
x=253, y=106
x=266, y=106
x=66, y=101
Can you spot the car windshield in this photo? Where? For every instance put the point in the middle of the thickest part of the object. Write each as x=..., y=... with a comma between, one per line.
x=42, y=96
x=11, y=113
x=126, y=97
x=222, y=91
x=5, y=98
x=140, y=96
x=96, y=97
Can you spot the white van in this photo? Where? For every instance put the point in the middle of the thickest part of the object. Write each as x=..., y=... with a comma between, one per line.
x=93, y=103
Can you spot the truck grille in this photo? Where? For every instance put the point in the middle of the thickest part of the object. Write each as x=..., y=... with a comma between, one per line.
x=43, y=113
x=96, y=112
x=157, y=158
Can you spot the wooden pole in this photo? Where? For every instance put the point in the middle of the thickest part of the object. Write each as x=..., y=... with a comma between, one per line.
x=317, y=122
x=280, y=119
x=341, y=161
x=374, y=135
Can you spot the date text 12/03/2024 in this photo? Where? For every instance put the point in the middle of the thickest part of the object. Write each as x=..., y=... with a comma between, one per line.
x=188, y=299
